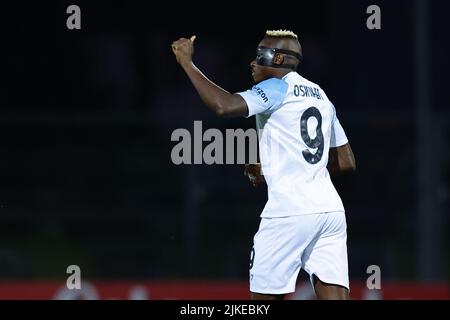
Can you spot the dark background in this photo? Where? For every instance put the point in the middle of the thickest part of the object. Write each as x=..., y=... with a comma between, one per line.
x=86, y=118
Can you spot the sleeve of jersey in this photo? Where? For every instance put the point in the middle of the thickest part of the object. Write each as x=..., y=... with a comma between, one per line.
x=338, y=137
x=268, y=94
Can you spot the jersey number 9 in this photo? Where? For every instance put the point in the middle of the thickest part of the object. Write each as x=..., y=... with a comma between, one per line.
x=317, y=142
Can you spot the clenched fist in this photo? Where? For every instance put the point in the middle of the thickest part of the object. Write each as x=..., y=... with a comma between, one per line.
x=183, y=49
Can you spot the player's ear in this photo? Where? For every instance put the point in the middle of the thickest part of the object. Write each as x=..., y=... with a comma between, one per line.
x=278, y=59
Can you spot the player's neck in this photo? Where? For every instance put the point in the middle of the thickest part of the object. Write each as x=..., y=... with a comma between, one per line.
x=282, y=73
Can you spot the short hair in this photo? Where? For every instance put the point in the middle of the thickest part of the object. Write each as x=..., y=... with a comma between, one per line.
x=281, y=34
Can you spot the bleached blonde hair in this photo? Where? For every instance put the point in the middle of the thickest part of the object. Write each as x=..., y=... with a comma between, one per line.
x=281, y=34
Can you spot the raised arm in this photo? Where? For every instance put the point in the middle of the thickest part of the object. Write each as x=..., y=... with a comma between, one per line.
x=341, y=160
x=223, y=103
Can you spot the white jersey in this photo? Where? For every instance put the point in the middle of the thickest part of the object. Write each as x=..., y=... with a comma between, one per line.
x=297, y=125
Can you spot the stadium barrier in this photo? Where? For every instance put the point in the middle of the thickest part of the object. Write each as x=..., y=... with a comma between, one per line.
x=198, y=290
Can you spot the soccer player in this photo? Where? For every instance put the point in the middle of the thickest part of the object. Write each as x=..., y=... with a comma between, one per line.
x=301, y=142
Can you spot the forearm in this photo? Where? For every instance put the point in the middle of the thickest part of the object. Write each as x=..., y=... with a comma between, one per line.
x=214, y=97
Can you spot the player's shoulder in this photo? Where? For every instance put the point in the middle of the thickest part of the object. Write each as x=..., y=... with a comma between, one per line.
x=273, y=84
x=272, y=89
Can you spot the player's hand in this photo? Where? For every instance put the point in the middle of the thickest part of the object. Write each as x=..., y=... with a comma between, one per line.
x=183, y=49
x=253, y=172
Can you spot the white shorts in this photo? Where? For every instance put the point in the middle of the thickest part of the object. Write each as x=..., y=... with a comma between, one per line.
x=282, y=246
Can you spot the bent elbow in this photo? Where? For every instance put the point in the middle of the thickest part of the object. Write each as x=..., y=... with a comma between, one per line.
x=222, y=111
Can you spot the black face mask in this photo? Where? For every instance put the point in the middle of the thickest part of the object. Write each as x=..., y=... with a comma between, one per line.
x=266, y=57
